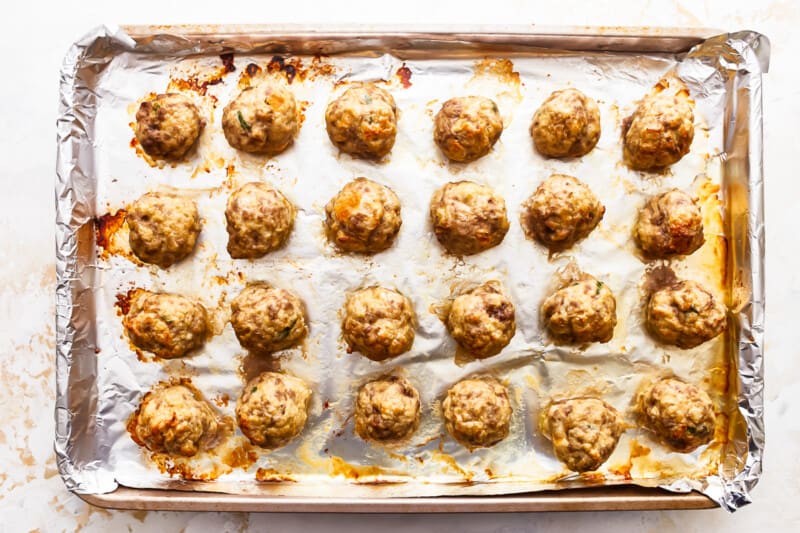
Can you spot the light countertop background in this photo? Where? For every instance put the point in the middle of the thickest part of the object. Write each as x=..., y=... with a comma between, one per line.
x=33, y=39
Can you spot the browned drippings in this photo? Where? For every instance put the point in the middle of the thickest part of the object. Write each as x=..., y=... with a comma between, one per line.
x=242, y=455
x=636, y=450
x=293, y=68
x=502, y=69
x=340, y=467
x=227, y=62
x=404, y=75
x=270, y=475
x=106, y=226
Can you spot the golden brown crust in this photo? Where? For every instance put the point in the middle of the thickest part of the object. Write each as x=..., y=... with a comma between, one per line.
x=684, y=314
x=468, y=218
x=273, y=409
x=477, y=412
x=168, y=126
x=387, y=410
x=262, y=119
x=467, y=127
x=562, y=211
x=679, y=413
x=363, y=217
x=363, y=121
x=482, y=320
x=669, y=224
x=566, y=125
x=267, y=319
x=378, y=323
x=584, y=311
x=167, y=325
x=259, y=220
x=163, y=228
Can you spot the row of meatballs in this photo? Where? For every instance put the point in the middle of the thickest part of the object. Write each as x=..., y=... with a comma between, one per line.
x=365, y=217
x=273, y=409
x=362, y=122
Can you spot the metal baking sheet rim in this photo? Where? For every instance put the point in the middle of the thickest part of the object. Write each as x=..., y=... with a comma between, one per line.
x=752, y=51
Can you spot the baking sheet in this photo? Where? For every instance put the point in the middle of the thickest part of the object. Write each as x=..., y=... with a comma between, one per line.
x=104, y=388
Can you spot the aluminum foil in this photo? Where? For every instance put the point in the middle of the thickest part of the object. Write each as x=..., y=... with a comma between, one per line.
x=101, y=379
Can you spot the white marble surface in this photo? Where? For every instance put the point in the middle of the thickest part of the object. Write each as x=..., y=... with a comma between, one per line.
x=33, y=39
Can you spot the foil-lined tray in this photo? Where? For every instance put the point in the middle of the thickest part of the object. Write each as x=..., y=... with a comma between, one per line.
x=101, y=379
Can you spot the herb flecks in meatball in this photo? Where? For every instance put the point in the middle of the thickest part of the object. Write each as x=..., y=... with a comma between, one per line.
x=387, y=410
x=584, y=311
x=173, y=420
x=363, y=121
x=562, y=211
x=669, y=224
x=167, y=325
x=262, y=119
x=482, y=320
x=584, y=432
x=566, y=125
x=468, y=217
x=267, y=319
x=273, y=409
x=259, y=220
x=684, y=314
x=168, y=125
x=477, y=412
x=363, y=217
x=163, y=228
x=661, y=130
x=680, y=414
x=378, y=323
x=467, y=127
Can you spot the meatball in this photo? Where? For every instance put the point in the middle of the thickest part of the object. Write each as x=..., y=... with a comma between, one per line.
x=363, y=121
x=660, y=131
x=477, y=412
x=468, y=218
x=679, y=413
x=163, y=228
x=566, y=125
x=363, y=217
x=168, y=125
x=262, y=119
x=387, y=410
x=273, y=409
x=267, y=319
x=684, y=314
x=669, y=224
x=174, y=420
x=482, y=320
x=584, y=311
x=259, y=220
x=167, y=325
x=378, y=323
x=562, y=211
x=584, y=432
x=467, y=127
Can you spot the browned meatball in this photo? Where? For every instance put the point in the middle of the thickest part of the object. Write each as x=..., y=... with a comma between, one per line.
x=174, y=420
x=273, y=409
x=679, y=413
x=262, y=119
x=378, y=323
x=467, y=127
x=562, y=211
x=584, y=311
x=163, y=228
x=267, y=319
x=661, y=130
x=482, y=320
x=584, y=432
x=468, y=218
x=566, y=125
x=477, y=412
x=168, y=325
x=363, y=121
x=669, y=224
x=363, y=217
x=259, y=220
x=168, y=125
x=684, y=314
x=387, y=410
